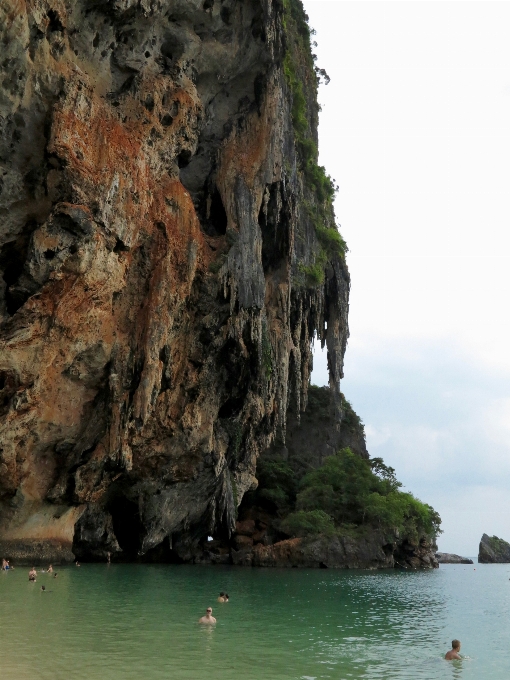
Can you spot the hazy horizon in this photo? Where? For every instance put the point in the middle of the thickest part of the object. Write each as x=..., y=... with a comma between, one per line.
x=415, y=130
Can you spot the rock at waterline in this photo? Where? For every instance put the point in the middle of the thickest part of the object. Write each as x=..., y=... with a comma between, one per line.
x=493, y=550
x=450, y=558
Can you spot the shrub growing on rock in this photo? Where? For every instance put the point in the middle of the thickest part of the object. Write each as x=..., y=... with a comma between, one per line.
x=306, y=523
x=352, y=490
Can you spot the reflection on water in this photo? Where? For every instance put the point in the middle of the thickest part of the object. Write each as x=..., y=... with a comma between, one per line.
x=133, y=621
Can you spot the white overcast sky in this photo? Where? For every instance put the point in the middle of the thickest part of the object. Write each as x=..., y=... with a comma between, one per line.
x=415, y=128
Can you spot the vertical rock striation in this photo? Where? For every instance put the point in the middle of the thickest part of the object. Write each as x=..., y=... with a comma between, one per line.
x=163, y=273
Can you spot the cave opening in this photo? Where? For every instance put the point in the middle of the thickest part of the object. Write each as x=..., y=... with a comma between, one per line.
x=127, y=526
x=217, y=214
x=54, y=23
x=163, y=553
x=274, y=228
x=13, y=256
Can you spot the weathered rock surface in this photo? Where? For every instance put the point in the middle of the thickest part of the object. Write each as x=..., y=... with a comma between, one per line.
x=321, y=552
x=156, y=325
x=162, y=277
x=493, y=550
x=450, y=558
x=370, y=551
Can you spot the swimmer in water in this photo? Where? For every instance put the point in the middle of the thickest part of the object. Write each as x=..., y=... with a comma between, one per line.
x=208, y=618
x=32, y=575
x=226, y=597
x=4, y=564
x=221, y=597
x=43, y=588
x=55, y=575
x=454, y=651
x=50, y=569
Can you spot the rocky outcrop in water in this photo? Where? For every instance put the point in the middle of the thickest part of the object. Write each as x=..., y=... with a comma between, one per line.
x=493, y=550
x=451, y=558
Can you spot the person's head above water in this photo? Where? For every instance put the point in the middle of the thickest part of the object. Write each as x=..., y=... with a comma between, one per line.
x=222, y=594
x=454, y=651
x=208, y=618
x=43, y=588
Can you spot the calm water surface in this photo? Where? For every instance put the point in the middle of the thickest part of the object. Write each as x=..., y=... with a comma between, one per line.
x=122, y=622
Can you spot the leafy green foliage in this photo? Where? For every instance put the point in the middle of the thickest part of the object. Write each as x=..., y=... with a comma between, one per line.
x=350, y=419
x=307, y=523
x=315, y=175
x=277, y=485
x=319, y=403
x=499, y=545
x=314, y=273
x=331, y=240
x=298, y=64
x=353, y=490
x=384, y=472
x=329, y=237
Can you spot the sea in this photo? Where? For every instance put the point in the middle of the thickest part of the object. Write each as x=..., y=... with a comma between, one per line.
x=140, y=622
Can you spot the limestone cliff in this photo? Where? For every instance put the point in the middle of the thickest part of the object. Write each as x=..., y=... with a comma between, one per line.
x=167, y=253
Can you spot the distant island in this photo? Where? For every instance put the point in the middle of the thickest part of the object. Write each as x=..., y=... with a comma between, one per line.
x=451, y=558
x=493, y=550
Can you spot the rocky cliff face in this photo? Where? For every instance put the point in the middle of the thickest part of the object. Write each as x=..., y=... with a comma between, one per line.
x=162, y=269
x=168, y=253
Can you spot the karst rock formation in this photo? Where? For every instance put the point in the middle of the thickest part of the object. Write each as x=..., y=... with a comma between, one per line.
x=168, y=254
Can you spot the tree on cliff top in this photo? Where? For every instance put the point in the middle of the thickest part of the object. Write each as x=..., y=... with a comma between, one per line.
x=346, y=492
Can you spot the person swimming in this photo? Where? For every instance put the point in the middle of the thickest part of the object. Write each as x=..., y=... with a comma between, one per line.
x=43, y=588
x=221, y=597
x=32, y=575
x=50, y=569
x=454, y=651
x=208, y=618
x=55, y=575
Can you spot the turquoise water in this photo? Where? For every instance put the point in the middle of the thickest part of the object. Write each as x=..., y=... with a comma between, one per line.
x=122, y=622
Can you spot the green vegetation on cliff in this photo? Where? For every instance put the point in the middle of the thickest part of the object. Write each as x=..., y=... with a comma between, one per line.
x=318, y=490
x=346, y=493
x=302, y=78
